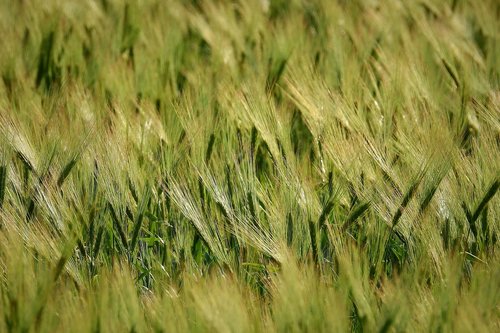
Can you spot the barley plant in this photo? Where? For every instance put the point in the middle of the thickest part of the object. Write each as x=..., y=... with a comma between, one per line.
x=249, y=166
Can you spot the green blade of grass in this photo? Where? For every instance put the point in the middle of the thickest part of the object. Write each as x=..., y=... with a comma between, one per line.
x=473, y=216
x=410, y=193
x=314, y=245
x=66, y=171
x=325, y=212
x=97, y=244
x=3, y=178
x=274, y=73
x=492, y=190
x=118, y=226
x=27, y=163
x=139, y=218
x=357, y=212
x=451, y=72
x=210, y=148
x=289, y=230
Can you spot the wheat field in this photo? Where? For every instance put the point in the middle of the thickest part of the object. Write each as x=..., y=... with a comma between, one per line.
x=249, y=166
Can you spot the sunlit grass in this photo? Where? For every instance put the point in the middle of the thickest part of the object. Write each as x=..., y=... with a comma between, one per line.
x=249, y=166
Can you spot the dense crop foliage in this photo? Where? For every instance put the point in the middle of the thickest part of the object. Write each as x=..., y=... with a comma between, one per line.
x=247, y=166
